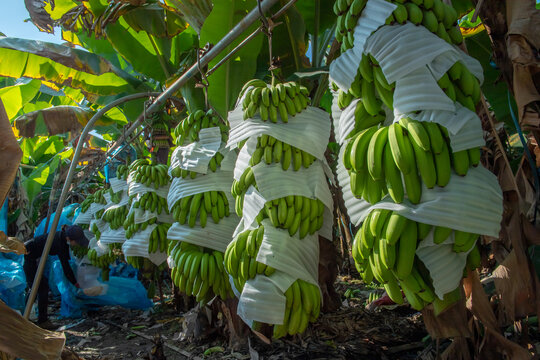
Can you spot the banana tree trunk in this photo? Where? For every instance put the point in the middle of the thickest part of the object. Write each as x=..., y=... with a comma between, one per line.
x=10, y=154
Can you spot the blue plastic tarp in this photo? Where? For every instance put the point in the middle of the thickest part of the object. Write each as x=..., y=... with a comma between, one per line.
x=12, y=280
x=65, y=219
x=126, y=292
x=4, y=216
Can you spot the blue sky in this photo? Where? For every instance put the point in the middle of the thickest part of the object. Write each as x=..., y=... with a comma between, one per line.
x=12, y=23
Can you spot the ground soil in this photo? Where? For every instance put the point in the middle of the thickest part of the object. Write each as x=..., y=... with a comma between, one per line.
x=353, y=332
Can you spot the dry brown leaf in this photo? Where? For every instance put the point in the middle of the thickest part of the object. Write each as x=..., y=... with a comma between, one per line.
x=38, y=14
x=57, y=120
x=516, y=292
x=524, y=180
x=450, y=323
x=497, y=346
x=10, y=154
x=11, y=245
x=522, y=43
x=21, y=338
x=458, y=350
x=477, y=301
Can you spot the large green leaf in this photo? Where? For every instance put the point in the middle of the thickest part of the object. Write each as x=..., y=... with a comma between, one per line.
x=327, y=18
x=155, y=20
x=494, y=88
x=137, y=49
x=37, y=178
x=193, y=11
x=63, y=66
x=27, y=146
x=14, y=97
x=60, y=8
x=100, y=46
x=227, y=81
x=45, y=148
x=40, y=176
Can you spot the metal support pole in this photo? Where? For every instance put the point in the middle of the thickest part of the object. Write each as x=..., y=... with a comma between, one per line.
x=235, y=32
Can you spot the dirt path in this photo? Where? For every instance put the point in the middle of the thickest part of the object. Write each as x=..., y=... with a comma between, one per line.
x=350, y=333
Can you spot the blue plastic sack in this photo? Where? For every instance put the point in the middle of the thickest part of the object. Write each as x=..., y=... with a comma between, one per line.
x=65, y=219
x=126, y=292
x=123, y=270
x=12, y=280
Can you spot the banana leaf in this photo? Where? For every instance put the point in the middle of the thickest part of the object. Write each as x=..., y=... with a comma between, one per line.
x=155, y=20
x=141, y=49
x=327, y=18
x=55, y=120
x=16, y=96
x=64, y=66
x=227, y=81
x=194, y=12
x=40, y=17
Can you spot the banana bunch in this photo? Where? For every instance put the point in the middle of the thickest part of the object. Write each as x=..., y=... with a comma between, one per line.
x=136, y=261
x=348, y=13
x=115, y=217
x=302, y=298
x=297, y=214
x=213, y=165
x=199, y=272
x=271, y=151
x=150, y=201
x=115, y=196
x=395, y=158
x=384, y=249
x=99, y=214
x=158, y=238
x=240, y=257
x=99, y=196
x=131, y=228
x=102, y=261
x=303, y=305
x=364, y=120
x=201, y=206
x=85, y=205
x=142, y=171
x=434, y=15
x=122, y=172
x=147, y=268
x=79, y=251
x=95, y=230
x=286, y=99
x=188, y=129
x=460, y=85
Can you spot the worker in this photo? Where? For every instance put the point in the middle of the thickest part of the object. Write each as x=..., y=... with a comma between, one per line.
x=68, y=236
